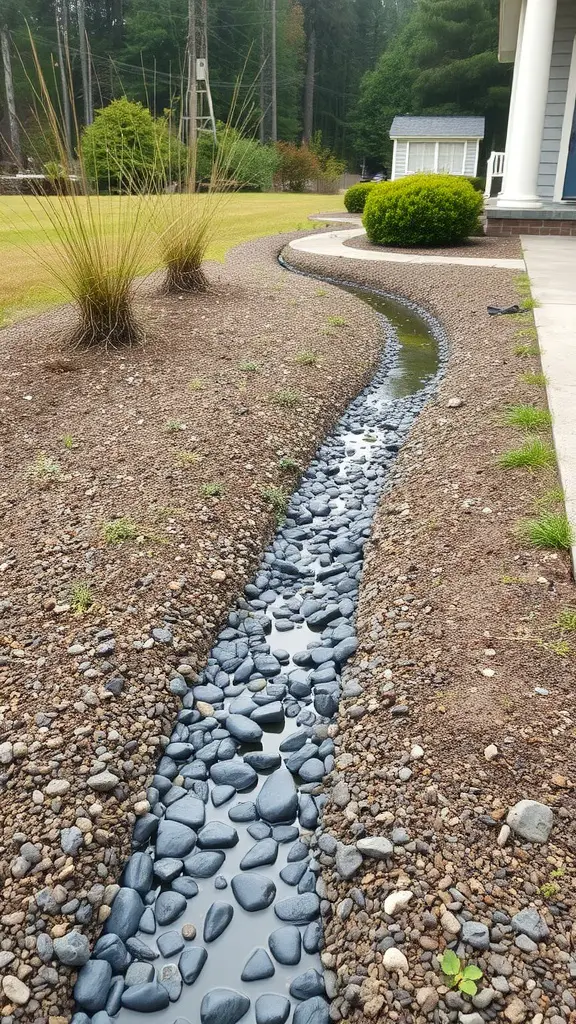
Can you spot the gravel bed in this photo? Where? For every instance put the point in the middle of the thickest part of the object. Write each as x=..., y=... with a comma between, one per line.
x=88, y=700
x=461, y=707
x=481, y=246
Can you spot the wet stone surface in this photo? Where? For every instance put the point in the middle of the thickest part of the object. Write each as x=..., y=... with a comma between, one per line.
x=219, y=914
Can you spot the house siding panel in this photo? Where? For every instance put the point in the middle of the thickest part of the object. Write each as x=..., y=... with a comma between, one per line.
x=557, y=90
x=471, y=159
x=400, y=157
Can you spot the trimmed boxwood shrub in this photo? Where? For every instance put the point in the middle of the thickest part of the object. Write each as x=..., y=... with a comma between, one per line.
x=423, y=210
x=478, y=183
x=355, y=197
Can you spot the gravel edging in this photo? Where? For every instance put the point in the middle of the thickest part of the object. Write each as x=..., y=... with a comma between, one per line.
x=88, y=701
x=459, y=707
x=481, y=246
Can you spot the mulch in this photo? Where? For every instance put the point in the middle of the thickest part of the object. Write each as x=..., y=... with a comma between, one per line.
x=481, y=246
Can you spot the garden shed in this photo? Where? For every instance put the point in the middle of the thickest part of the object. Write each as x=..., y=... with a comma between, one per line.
x=436, y=145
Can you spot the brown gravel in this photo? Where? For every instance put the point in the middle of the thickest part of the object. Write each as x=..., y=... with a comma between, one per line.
x=482, y=247
x=126, y=417
x=456, y=624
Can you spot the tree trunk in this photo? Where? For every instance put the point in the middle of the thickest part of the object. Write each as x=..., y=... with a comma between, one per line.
x=274, y=102
x=16, y=150
x=63, y=57
x=117, y=22
x=84, y=65
x=309, y=87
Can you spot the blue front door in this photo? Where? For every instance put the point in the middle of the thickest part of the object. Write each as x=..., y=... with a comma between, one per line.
x=570, y=179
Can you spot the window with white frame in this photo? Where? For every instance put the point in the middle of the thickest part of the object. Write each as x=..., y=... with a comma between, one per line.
x=451, y=157
x=421, y=157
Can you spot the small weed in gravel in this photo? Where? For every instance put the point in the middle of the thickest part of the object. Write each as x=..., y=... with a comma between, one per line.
x=45, y=470
x=288, y=465
x=321, y=293
x=336, y=321
x=277, y=498
x=537, y=379
x=534, y=452
x=549, y=890
x=68, y=441
x=549, y=530
x=286, y=399
x=249, y=367
x=188, y=458
x=307, y=358
x=527, y=332
x=196, y=385
x=566, y=620
x=525, y=350
x=212, y=490
x=458, y=976
x=81, y=599
x=173, y=426
x=118, y=530
x=528, y=417
x=552, y=498
x=522, y=282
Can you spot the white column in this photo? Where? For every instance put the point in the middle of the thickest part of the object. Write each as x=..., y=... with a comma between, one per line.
x=514, y=92
x=527, y=117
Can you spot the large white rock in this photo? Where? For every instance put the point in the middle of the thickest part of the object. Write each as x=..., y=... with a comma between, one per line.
x=394, y=960
x=375, y=846
x=397, y=901
x=531, y=820
x=15, y=990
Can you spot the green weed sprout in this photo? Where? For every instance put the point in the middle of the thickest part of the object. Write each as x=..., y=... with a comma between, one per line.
x=464, y=979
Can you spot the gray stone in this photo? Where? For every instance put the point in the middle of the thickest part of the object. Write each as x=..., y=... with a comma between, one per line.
x=263, y=852
x=525, y=944
x=204, y=864
x=139, y=873
x=72, y=949
x=243, y=729
x=307, y=985
x=223, y=1006
x=170, y=978
x=170, y=943
x=298, y=909
x=169, y=906
x=191, y=963
x=531, y=820
x=138, y=973
x=71, y=840
x=312, y=1011
x=272, y=1009
x=147, y=998
x=111, y=948
x=125, y=915
x=376, y=847
x=92, y=984
x=529, y=922
x=233, y=773
x=188, y=811
x=103, y=782
x=217, y=835
x=174, y=839
x=348, y=860
x=277, y=801
x=258, y=966
x=475, y=934
x=140, y=949
x=253, y=892
x=217, y=920
x=285, y=945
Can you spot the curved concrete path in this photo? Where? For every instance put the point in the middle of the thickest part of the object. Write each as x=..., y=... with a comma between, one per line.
x=332, y=244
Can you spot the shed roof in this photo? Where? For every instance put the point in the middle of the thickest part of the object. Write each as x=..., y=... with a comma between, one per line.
x=437, y=128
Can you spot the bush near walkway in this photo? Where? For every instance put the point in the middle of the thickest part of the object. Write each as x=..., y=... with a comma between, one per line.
x=423, y=210
x=355, y=197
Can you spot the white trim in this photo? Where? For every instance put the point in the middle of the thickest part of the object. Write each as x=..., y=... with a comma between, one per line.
x=566, y=129
x=393, y=172
x=465, y=157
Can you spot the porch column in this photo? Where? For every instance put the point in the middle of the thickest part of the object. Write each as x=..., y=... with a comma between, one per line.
x=514, y=92
x=527, y=113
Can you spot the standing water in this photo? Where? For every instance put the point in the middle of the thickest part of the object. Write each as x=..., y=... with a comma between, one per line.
x=218, y=918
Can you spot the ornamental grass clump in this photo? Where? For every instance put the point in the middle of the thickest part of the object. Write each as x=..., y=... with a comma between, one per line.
x=93, y=243
x=423, y=210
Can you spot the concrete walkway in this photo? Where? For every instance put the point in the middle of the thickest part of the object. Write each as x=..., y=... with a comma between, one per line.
x=551, y=265
x=332, y=244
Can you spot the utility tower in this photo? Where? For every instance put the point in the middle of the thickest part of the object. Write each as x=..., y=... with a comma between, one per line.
x=268, y=85
x=199, y=115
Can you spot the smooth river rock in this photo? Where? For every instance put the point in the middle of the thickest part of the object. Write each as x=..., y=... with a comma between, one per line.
x=277, y=801
x=223, y=1006
x=253, y=892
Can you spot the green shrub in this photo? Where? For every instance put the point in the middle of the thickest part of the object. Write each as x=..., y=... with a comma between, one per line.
x=422, y=210
x=236, y=158
x=355, y=197
x=478, y=183
x=126, y=150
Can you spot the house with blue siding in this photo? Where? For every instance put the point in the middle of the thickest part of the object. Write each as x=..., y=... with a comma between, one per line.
x=538, y=167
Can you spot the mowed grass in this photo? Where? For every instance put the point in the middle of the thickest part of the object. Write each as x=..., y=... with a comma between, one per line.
x=27, y=286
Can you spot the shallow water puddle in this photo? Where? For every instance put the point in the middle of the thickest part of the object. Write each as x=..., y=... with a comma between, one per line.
x=270, y=688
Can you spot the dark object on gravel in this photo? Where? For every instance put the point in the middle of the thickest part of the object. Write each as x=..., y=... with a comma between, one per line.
x=501, y=310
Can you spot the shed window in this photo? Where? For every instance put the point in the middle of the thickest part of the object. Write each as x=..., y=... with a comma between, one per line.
x=421, y=157
x=451, y=157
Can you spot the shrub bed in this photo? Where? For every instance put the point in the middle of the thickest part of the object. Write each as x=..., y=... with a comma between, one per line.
x=355, y=197
x=423, y=210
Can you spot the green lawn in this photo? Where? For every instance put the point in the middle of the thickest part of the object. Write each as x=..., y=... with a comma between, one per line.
x=27, y=240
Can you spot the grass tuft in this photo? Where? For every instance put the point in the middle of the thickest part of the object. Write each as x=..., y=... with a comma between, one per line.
x=307, y=358
x=551, y=498
x=548, y=530
x=528, y=417
x=186, y=458
x=288, y=465
x=196, y=385
x=537, y=379
x=287, y=399
x=526, y=350
x=174, y=426
x=277, y=499
x=566, y=620
x=81, y=599
x=68, y=441
x=336, y=321
x=211, y=490
x=45, y=470
x=249, y=367
x=534, y=452
x=119, y=530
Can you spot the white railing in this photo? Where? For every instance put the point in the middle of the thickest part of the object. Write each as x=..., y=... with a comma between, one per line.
x=494, y=169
